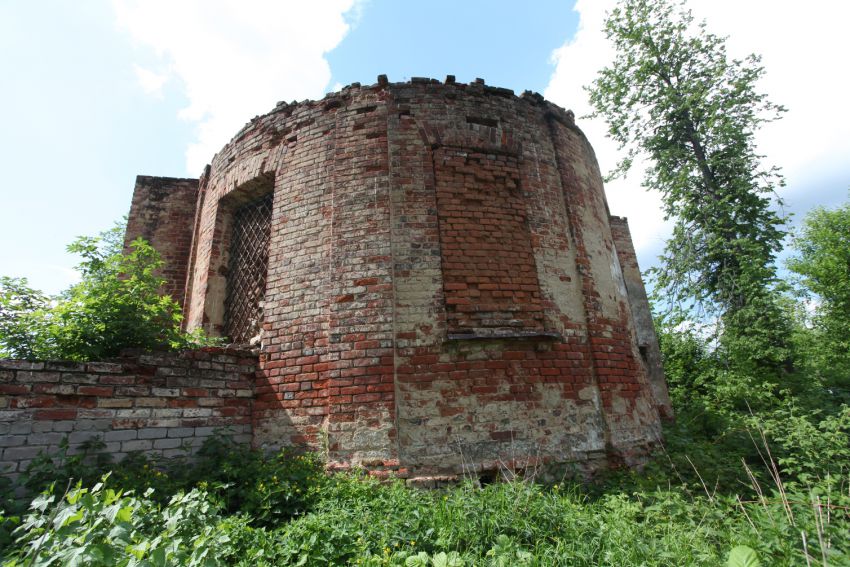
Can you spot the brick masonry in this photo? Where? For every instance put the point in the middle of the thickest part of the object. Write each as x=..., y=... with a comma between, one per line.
x=641, y=315
x=162, y=404
x=489, y=278
x=164, y=216
x=445, y=288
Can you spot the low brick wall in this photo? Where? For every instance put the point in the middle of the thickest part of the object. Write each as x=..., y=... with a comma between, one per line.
x=160, y=404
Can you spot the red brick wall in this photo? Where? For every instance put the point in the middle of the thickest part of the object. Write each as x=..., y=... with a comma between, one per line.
x=160, y=404
x=627, y=405
x=489, y=275
x=389, y=200
x=163, y=213
x=642, y=316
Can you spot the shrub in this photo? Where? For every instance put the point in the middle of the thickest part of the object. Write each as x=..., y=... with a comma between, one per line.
x=350, y=519
x=117, y=304
x=102, y=527
x=270, y=488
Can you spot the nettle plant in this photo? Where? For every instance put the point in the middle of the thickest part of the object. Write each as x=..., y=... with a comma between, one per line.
x=101, y=526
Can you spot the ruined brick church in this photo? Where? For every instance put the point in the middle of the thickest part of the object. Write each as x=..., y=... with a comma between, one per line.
x=431, y=276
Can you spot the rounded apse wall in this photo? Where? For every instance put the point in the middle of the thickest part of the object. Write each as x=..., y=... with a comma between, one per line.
x=442, y=287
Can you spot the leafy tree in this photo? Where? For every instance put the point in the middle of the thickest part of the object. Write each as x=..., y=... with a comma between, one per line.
x=673, y=96
x=20, y=328
x=823, y=263
x=116, y=305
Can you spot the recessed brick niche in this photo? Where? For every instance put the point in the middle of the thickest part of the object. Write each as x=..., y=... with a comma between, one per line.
x=489, y=273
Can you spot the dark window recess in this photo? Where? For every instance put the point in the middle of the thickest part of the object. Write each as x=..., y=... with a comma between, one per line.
x=246, y=272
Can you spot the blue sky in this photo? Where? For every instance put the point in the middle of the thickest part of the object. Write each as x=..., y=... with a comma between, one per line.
x=96, y=92
x=502, y=42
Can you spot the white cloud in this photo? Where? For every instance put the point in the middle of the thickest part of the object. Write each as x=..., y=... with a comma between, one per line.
x=237, y=59
x=802, y=49
x=150, y=81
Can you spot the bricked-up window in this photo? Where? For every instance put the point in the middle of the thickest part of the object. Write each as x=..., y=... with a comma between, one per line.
x=247, y=269
x=489, y=273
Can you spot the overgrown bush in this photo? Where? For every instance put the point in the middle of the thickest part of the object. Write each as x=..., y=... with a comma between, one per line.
x=270, y=488
x=117, y=304
x=239, y=506
x=87, y=465
x=103, y=527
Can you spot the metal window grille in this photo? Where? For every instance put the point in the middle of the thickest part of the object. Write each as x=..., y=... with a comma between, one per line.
x=246, y=273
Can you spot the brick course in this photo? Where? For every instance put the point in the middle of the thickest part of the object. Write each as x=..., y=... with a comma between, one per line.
x=136, y=403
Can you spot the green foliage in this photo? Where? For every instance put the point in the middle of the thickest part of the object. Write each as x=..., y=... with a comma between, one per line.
x=822, y=261
x=755, y=340
x=355, y=520
x=742, y=556
x=726, y=393
x=117, y=304
x=520, y=523
x=270, y=488
x=810, y=444
x=21, y=326
x=721, y=414
x=9, y=517
x=102, y=527
x=673, y=96
x=87, y=465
